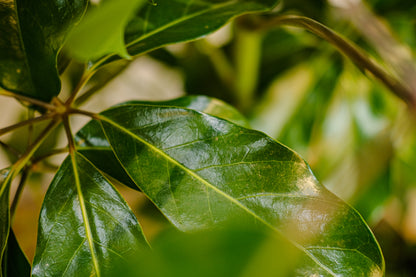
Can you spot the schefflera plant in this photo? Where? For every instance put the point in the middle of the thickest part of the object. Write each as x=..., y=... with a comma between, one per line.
x=194, y=158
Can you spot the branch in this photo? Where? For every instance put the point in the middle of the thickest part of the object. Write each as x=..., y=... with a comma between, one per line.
x=348, y=48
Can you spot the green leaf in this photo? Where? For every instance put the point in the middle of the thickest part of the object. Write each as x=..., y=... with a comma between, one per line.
x=200, y=170
x=229, y=252
x=93, y=143
x=32, y=33
x=102, y=30
x=5, y=181
x=164, y=22
x=15, y=262
x=85, y=226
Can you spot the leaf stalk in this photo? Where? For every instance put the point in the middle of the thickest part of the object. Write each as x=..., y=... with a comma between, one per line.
x=348, y=48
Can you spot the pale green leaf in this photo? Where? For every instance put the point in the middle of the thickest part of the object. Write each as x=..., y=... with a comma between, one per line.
x=102, y=30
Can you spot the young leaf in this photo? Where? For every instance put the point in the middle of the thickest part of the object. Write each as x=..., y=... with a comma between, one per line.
x=102, y=31
x=164, y=22
x=5, y=181
x=15, y=262
x=93, y=143
x=200, y=170
x=85, y=226
x=32, y=32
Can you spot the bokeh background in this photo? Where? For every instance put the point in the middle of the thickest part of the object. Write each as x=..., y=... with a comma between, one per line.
x=359, y=138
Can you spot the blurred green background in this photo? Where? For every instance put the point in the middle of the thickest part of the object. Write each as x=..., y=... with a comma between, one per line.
x=359, y=139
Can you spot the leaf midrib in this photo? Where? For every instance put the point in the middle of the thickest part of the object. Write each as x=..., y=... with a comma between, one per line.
x=178, y=21
x=209, y=185
x=88, y=231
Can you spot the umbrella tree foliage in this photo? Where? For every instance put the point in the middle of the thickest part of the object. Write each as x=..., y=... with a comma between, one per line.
x=243, y=202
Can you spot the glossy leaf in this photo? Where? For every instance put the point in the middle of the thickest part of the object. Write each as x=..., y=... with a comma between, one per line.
x=85, y=226
x=200, y=170
x=32, y=33
x=5, y=182
x=164, y=22
x=15, y=262
x=102, y=31
x=93, y=143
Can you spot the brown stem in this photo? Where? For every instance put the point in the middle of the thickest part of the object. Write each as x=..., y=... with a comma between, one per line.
x=82, y=112
x=346, y=47
x=71, y=142
x=19, y=191
x=10, y=149
x=49, y=154
x=28, y=99
x=26, y=122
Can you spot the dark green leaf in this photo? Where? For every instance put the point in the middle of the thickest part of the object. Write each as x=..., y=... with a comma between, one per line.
x=5, y=181
x=15, y=262
x=85, y=226
x=200, y=170
x=164, y=22
x=93, y=143
x=32, y=32
x=102, y=31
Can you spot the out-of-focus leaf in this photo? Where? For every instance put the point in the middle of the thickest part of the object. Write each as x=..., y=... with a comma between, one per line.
x=85, y=226
x=229, y=252
x=200, y=170
x=93, y=143
x=32, y=33
x=102, y=30
x=5, y=181
x=163, y=22
x=15, y=262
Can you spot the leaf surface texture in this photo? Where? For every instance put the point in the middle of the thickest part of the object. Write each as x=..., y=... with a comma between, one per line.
x=200, y=171
x=85, y=226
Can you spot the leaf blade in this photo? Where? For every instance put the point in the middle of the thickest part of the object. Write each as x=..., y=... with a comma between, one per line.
x=199, y=171
x=165, y=22
x=15, y=262
x=107, y=230
x=5, y=182
x=93, y=143
x=33, y=35
x=102, y=31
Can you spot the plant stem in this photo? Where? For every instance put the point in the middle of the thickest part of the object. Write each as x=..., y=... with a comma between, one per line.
x=10, y=149
x=346, y=47
x=30, y=121
x=19, y=191
x=220, y=62
x=49, y=154
x=25, y=158
x=31, y=115
x=84, y=79
x=82, y=112
x=71, y=143
x=247, y=59
x=30, y=100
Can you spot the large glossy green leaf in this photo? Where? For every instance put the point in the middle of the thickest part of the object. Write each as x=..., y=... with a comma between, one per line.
x=102, y=30
x=93, y=143
x=164, y=22
x=85, y=226
x=31, y=34
x=15, y=262
x=5, y=181
x=200, y=170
